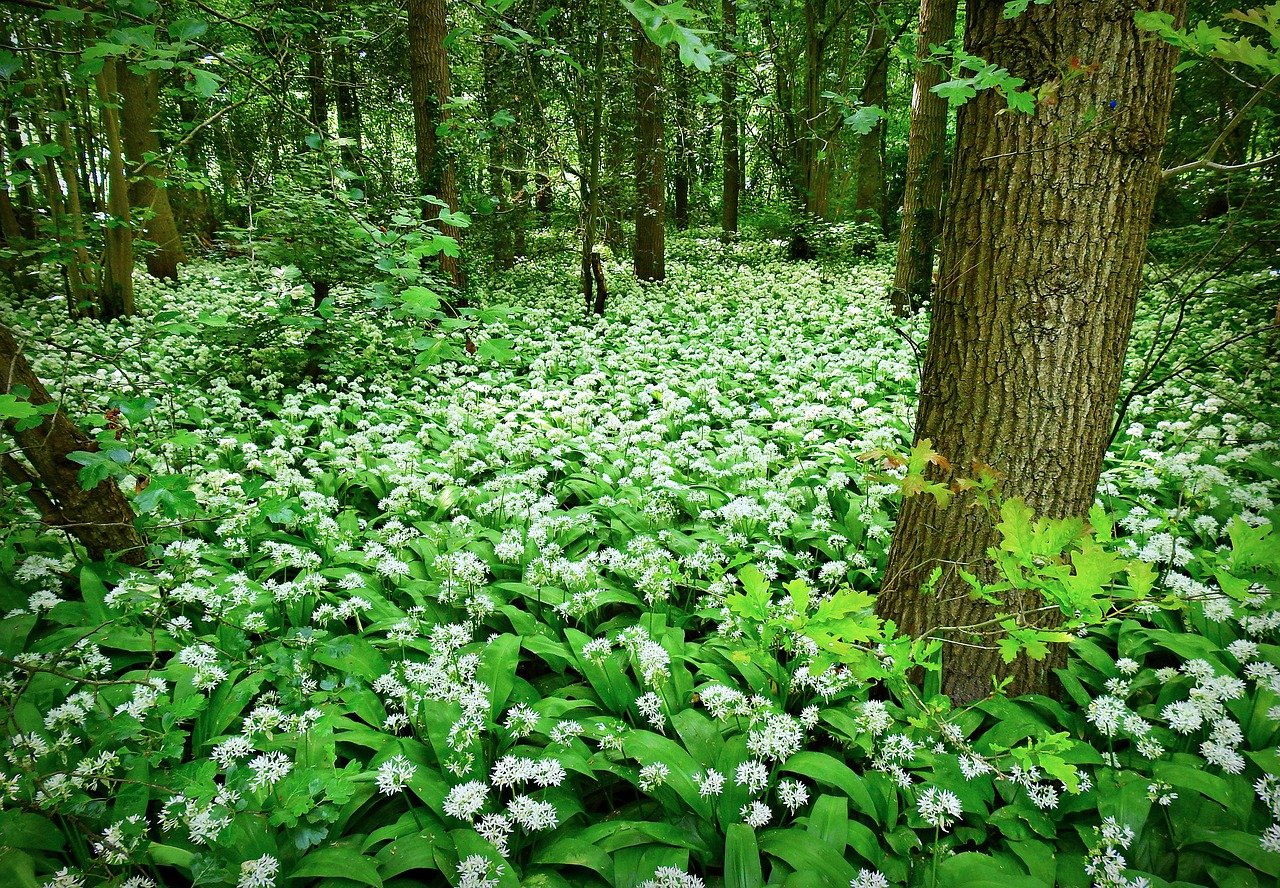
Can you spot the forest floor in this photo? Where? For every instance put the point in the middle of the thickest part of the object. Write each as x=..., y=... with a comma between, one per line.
x=369, y=526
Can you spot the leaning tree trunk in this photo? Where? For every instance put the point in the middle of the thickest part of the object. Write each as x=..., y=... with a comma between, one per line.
x=1041, y=262
x=101, y=519
x=429, y=87
x=651, y=191
x=115, y=288
x=729, y=126
x=926, y=145
x=140, y=95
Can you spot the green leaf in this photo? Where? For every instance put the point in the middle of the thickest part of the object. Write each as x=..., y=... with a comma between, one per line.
x=338, y=861
x=184, y=29
x=741, y=858
x=956, y=92
x=800, y=852
x=204, y=83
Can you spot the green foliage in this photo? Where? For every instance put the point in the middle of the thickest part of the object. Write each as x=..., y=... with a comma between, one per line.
x=619, y=577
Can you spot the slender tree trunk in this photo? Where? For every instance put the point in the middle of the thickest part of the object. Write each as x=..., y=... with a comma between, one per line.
x=875, y=89
x=141, y=101
x=731, y=187
x=680, y=177
x=589, y=189
x=1041, y=262
x=496, y=90
x=651, y=190
x=349, y=119
x=813, y=171
x=102, y=518
x=115, y=290
x=317, y=85
x=926, y=145
x=429, y=82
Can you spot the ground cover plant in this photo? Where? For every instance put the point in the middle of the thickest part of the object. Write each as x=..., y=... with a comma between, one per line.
x=591, y=601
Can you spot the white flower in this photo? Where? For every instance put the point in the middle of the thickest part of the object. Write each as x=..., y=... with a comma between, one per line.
x=394, y=774
x=710, y=784
x=1183, y=716
x=868, y=878
x=533, y=815
x=465, y=800
x=755, y=814
x=653, y=775
x=939, y=807
x=672, y=877
x=260, y=873
x=269, y=769
x=753, y=775
x=793, y=794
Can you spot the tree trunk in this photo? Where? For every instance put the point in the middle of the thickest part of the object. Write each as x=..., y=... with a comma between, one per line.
x=730, y=190
x=870, y=197
x=140, y=94
x=680, y=178
x=589, y=186
x=102, y=518
x=926, y=144
x=317, y=84
x=496, y=90
x=429, y=82
x=349, y=120
x=651, y=191
x=115, y=290
x=1041, y=262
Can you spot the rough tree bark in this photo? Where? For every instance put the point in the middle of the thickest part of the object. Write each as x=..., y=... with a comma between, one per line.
x=926, y=145
x=429, y=87
x=140, y=94
x=651, y=192
x=101, y=519
x=729, y=126
x=1041, y=261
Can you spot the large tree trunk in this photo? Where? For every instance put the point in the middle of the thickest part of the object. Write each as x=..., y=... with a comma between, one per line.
x=651, y=191
x=101, y=519
x=1041, y=262
x=429, y=85
x=875, y=88
x=115, y=289
x=926, y=145
x=141, y=102
x=730, y=191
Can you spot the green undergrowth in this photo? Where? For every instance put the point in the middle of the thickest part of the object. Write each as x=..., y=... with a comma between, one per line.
x=532, y=598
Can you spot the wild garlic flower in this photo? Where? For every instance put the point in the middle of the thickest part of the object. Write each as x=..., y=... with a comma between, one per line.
x=940, y=808
x=260, y=873
x=394, y=774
